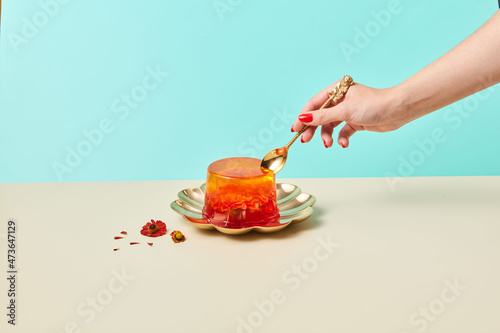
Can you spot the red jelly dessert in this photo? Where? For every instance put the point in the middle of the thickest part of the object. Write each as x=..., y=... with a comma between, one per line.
x=238, y=194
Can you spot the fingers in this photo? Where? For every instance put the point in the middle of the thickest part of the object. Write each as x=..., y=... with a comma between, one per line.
x=313, y=104
x=345, y=133
x=336, y=113
x=297, y=125
x=327, y=132
x=308, y=134
x=324, y=117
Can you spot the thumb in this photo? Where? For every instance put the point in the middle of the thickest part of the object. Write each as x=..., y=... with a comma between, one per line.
x=324, y=116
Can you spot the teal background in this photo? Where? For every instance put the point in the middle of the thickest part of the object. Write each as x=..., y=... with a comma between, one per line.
x=226, y=75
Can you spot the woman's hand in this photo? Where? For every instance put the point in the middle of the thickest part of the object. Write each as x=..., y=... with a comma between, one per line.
x=456, y=75
x=362, y=109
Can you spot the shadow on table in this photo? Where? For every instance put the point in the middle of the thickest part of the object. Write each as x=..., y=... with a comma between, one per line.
x=293, y=230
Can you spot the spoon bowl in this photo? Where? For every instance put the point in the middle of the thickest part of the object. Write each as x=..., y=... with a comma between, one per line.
x=274, y=160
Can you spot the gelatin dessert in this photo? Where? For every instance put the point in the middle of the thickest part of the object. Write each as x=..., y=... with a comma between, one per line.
x=238, y=194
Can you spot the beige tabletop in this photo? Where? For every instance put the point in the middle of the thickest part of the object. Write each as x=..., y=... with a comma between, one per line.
x=421, y=256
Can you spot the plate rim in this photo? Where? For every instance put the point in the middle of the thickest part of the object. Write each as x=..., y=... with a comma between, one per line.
x=284, y=220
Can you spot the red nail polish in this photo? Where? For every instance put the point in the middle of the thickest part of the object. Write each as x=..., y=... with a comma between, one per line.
x=306, y=118
x=324, y=142
x=342, y=145
x=302, y=139
x=292, y=128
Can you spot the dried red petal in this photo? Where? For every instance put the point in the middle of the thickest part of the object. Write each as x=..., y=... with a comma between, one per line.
x=116, y=249
x=134, y=243
x=118, y=237
x=123, y=233
x=150, y=244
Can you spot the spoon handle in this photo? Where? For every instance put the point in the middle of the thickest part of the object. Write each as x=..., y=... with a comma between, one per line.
x=296, y=137
x=336, y=95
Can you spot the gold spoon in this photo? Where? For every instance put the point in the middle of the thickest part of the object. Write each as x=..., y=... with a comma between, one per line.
x=275, y=160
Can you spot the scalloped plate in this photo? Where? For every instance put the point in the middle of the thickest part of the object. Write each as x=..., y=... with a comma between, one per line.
x=294, y=207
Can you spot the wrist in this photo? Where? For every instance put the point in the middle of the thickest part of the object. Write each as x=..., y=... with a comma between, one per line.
x=403, y=104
